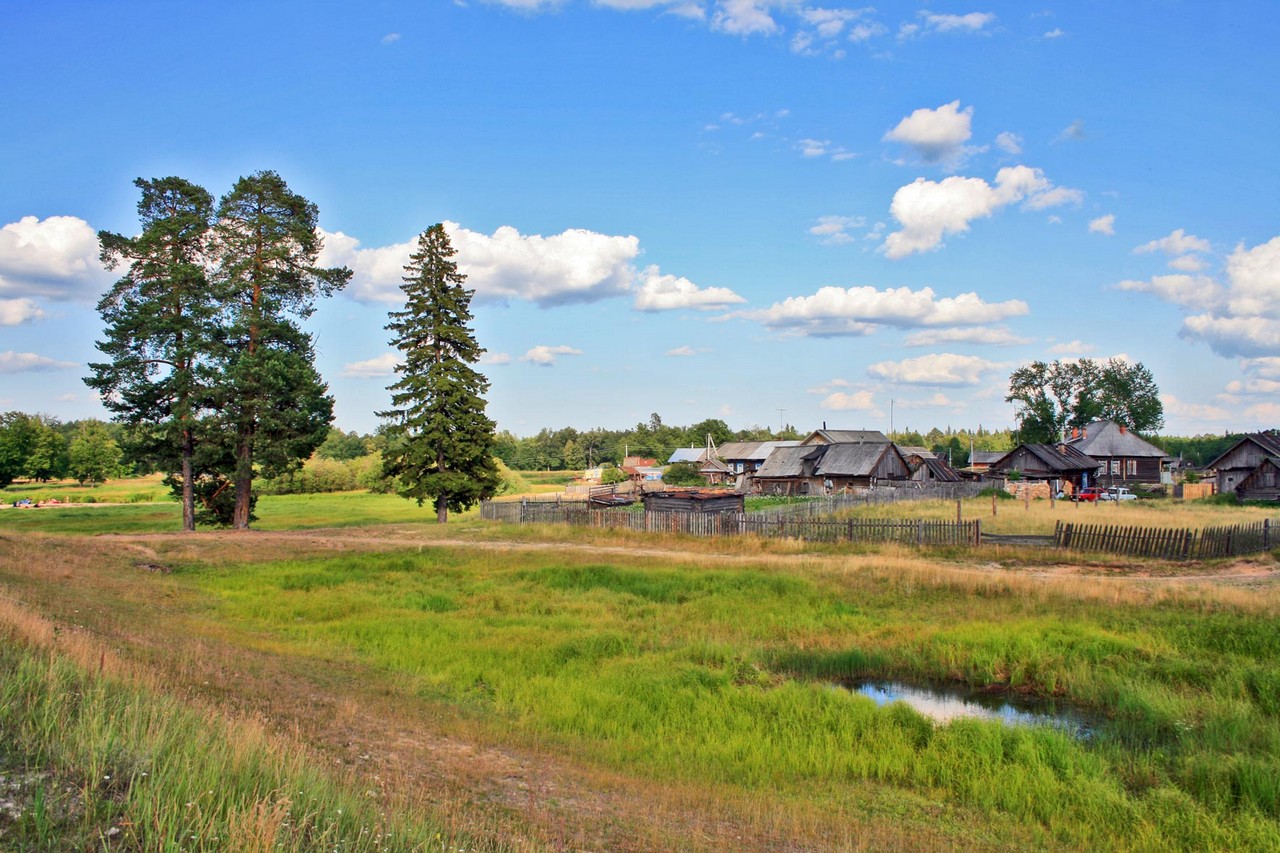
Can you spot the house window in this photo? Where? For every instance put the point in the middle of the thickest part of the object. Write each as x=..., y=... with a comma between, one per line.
x=1115, y=466
x=1132, y=467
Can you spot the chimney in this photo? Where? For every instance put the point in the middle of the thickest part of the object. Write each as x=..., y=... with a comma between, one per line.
x=1123, y=429
x=1084, y=433
x=824, y=424
x=1075, y=432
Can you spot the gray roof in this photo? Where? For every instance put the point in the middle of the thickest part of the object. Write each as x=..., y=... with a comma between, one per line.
x=1107, y=439
x=941, y=471
x=847, y=436
x=1056, y=457
x=825, y=460
x=1269, y=442
x=788, y=461
x=912, y=450
x=986, y=457
x=751, y=450
x=687, y=454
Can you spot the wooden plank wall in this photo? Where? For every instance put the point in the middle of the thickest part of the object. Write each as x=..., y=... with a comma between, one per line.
x=1170, y=543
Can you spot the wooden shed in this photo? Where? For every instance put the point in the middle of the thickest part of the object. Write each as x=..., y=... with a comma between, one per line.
x=1055, y=463
x=694, y=500
x=823, y=468
x=1243, y=458
x=1262, y=483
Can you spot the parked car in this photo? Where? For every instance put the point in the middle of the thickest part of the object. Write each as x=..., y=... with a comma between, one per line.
x=1088, y=493
x=1118, y=493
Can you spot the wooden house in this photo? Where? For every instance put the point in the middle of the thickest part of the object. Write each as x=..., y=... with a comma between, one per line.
x=822, y=468
x=845, y=436
x=746, y=457
x=1262, y=483
x=1123, y=456
x=1243, y=458
x=693, y=500
x=1056, y=464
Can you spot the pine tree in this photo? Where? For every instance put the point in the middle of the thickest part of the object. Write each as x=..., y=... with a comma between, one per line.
x=272, y=400
x=440, y=442
x=160, y=323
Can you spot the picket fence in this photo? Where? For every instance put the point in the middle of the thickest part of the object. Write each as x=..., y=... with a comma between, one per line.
x=1171, y=544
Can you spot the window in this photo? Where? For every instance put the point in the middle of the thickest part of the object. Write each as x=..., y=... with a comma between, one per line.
x=1132, y=467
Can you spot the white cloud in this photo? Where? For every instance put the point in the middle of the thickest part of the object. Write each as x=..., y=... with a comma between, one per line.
x=1009, y=143
x=1076, y=348
x=858, y=401
x=29, y=362
x=933, y=401
x=1267, y=367
x=1177, y=243
x=390, y=38
x=546, y=355
x=971, y=23
x=1254, y=386
x=1232, y=336
x=682, y=352
x=823, y=148
x=987, y=335
x=55, y=257
x=1189, y=291
x=820, y=29
x=937, y=136
x=1103, y=225
x=1181, y=410
x=1264, y=413
x=1073, y=132
x=834, y=230
x=15, y=312
x=1054, y=33
x=660, y=292
x=859, y=310
x=1188, y=263
x=1055, y=197
x=936, y=369
x=929, y=210
x=383, y=365
x=744, y=18
x=495, y=358
x=573, y=266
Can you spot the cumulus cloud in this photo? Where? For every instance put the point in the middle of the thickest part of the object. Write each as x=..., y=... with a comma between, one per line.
x=383, y=365
x=660, y=292
x=546, y=356
x=823, y=30
x=15, y=312
x=1054, y=33
x=857, y=401
x=860, y=310
x=929, y=210
x=1076, y=348
x=55, y=257
x=495, y=358
x=1103, y=225
x=29, y=362
x=682, y=352
x=834, y=230
x=573, y=266
x=937, y=136
x=1009, y=143
x=1055, y=197
x=937, y=369
x=1263, y=413
x=1187, y=263
x=1177, y=243
x=744, y=18
x=1238, y=318
x=390, y=38
x=998, y=336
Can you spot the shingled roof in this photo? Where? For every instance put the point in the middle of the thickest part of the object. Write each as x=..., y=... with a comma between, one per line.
x=1109, y=439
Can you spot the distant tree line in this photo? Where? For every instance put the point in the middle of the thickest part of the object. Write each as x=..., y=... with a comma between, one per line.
x=40, y=448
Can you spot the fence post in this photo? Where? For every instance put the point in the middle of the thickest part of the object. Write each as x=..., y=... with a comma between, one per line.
x=1266, y=534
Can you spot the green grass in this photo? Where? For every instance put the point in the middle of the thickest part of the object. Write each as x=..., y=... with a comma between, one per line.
x=102, y=764
x=721, y=676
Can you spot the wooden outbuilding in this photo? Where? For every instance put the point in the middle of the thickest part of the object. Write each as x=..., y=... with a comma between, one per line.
x=817, y=469
x=694, y=500
x=1243, y=458
x=1262, y=483
x=1056, y=464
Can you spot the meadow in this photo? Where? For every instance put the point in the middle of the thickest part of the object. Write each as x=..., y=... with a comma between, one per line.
x=548, y=688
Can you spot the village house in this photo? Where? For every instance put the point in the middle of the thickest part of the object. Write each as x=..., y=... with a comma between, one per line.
x=1243, y=459
x=1123, y=456
x=823, y=468
x=1056, y=464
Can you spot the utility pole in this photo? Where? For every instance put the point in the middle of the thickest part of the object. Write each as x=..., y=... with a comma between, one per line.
x=782, y=425
x=891, y=419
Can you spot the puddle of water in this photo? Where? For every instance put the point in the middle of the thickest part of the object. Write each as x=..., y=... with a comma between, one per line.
x=944, y=704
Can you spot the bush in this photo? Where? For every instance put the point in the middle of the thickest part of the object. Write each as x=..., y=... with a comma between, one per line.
x=998, y=492
x=682, y=474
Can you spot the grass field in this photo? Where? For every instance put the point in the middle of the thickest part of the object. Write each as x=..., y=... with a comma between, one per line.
x=548, y=688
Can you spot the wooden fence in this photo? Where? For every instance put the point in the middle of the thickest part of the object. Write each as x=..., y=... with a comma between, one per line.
x=1170, y=544
x=912, y=531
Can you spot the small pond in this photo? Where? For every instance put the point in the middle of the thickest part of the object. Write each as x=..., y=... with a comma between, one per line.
x=942, y=704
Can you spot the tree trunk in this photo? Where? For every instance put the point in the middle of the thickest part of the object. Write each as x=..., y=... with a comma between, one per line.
x=442, y=510
x=188, y=487
x=244, y=483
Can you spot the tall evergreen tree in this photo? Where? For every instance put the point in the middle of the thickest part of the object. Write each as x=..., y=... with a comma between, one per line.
x=160, y=324
x=272, y=400
x=440, y=442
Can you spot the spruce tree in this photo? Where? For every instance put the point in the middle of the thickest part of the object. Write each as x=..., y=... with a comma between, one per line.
x=160, y=324
x=272, y=401
x=440, y=442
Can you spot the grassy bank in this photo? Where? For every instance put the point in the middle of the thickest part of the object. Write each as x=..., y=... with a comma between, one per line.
x=96, y=757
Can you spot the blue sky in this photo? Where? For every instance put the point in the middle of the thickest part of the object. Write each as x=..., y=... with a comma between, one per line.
x=702, y=208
